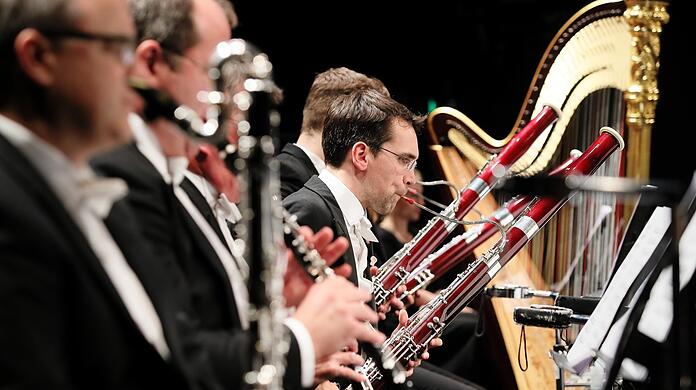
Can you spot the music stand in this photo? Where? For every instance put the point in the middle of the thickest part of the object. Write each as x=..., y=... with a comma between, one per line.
x=682, y=209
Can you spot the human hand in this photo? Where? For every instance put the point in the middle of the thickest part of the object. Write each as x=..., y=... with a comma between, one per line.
x=334, y=313
x=393, y=302
x=326, y=385
x=337, y=364
x=297, y=282
x=425, y=355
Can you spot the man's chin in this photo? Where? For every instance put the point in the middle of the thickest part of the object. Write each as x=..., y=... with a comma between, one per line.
x=387, y=208
x=113, y=138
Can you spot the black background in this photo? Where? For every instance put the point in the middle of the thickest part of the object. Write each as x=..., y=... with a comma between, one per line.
x=478, y=57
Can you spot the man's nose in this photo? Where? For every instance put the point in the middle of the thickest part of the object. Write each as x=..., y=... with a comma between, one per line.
x=410, y=178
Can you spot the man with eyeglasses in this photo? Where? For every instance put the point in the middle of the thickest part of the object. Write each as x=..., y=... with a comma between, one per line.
x=301, y=160
x=359, y=173
x=175, y=41
x=370, y=148
x=78, y=310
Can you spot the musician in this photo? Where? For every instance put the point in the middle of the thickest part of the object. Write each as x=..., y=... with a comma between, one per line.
x=305, y=158
x=214, y=191
x=176, y=38
x=79, y=310
x=370, y=148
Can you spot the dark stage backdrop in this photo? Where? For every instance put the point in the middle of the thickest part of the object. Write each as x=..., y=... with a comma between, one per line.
x=478, y=57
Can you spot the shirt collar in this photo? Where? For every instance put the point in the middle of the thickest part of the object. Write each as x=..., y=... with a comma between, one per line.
x=147, y=144
x=350, y=206
x=318, y=163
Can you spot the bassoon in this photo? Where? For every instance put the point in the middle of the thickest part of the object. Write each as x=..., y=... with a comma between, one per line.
x=396, y=270
x=459, y=248
x=410, y=341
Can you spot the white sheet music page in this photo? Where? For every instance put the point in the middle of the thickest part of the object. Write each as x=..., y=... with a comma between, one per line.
x=656, y=320
x=657, y=317
x=590, y=337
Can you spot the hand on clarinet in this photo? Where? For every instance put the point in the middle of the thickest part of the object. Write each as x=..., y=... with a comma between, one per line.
x=339, y=364
x=434, y=343
x=326, y=385
x=297, y=282
x=334, y=313
x=393, y=302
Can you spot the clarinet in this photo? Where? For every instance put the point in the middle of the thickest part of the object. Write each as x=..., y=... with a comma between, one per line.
x=406, y=343
x=236, y=63
x=457, y=250
x=315, y=266
x=261, y=224
x=396, y=270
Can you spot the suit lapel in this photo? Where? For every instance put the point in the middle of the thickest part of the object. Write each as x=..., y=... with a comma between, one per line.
x=76, y=242
x=202, y=205
x=318, y=187
x=201, y=241
x=301, y=156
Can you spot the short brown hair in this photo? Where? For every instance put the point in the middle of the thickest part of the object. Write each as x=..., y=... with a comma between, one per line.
x=363, y=116
x=329, y=85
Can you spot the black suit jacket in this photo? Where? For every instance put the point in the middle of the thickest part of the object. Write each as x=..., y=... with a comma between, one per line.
x=176, y=237
x=315, y=206
x=62, y=323
x=295, y=169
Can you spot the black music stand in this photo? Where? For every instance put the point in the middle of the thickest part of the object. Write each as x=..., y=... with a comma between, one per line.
x=681, y=339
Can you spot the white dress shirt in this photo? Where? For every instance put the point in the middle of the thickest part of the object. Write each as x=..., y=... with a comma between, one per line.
x=225, y=212
x=149, y=146
x=172, y=171
x=318, y=163
x=88, y=199
x=356, y=221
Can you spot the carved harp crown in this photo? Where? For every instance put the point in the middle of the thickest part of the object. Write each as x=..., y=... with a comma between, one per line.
x=591, y=52
x=599, y=70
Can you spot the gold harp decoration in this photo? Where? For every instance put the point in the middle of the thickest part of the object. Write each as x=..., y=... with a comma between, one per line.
x=609, y=45
x=645, y=19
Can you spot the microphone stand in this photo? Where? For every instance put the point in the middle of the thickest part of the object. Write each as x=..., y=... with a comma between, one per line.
x=664, y=192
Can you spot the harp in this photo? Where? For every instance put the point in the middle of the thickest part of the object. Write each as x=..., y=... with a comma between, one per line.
x=600, y=70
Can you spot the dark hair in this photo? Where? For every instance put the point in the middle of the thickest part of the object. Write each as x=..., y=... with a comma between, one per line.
x=326, y=87
x=363, y=116
x=171, y=23
x=16, y=15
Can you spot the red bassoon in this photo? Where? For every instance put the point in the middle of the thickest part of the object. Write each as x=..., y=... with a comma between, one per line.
x=409, y=342
x=396, y=270
x=459, y=248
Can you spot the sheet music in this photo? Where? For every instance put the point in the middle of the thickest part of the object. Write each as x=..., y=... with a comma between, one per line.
x=592, y=334
x=656, y=320
x=657, y=317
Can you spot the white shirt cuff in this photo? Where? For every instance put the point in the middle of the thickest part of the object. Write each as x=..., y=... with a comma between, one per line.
x=307, y=356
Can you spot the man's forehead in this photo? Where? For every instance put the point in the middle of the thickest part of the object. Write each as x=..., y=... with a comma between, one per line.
x=404, y=135
x=103, y=16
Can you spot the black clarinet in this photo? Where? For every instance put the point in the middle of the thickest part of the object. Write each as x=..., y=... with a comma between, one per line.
x=315, y=266
x=261, y=225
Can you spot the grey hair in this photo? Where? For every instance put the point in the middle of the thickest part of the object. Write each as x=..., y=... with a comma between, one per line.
x=168, y=22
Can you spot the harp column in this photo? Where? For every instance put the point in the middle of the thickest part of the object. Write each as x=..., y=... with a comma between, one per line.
x=645, y=19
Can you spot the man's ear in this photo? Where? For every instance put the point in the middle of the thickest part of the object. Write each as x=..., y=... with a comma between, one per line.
x=360, y=155
x=35, y=57
x=149, y=62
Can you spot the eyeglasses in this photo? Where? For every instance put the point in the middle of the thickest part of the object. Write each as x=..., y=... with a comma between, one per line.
x=408, y=162
x=202, y=67
x=122, y=45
